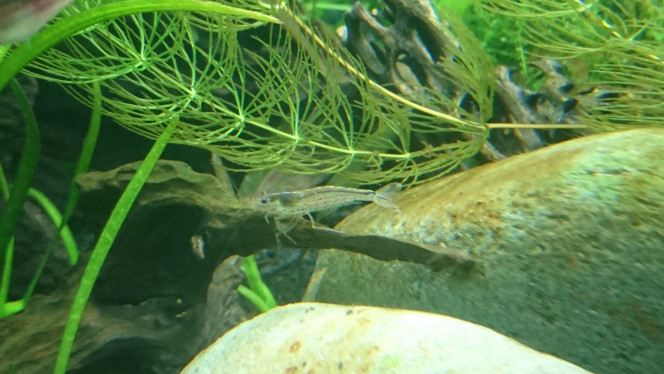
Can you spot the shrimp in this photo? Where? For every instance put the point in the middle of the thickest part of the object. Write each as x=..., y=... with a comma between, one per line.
x=299, y=203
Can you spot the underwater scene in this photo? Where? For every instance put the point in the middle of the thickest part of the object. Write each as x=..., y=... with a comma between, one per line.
x=332, y=186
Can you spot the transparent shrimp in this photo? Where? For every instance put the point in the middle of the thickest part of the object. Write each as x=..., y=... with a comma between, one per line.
x=285, y=207
x=299, y=203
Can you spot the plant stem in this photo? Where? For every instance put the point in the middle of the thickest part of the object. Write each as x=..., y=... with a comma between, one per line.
x=22, y=180
x=106, y=239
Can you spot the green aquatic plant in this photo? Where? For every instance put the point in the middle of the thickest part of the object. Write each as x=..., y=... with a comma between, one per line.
x=500, y=35
x=7, y=307
x=299, y=119
x=104, y=243
x=20, y=189
x=258, y=293
x=15, y=196
x=605, y=43
x=459, y=7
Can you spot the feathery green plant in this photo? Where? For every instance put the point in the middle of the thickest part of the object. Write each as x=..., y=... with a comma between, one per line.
x=611, y=43
x=295, y=117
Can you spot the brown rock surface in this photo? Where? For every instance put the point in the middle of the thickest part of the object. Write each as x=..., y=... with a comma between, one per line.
x=569, y=243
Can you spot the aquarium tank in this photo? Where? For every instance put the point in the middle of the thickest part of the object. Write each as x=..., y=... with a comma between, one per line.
x=146, y=144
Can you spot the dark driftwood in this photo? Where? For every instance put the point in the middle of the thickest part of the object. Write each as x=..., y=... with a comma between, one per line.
x=228, y=226
x=158, y=335
x=157, y=302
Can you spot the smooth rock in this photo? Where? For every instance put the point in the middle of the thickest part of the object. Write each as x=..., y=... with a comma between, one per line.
x=569, y=242
x=324, y=338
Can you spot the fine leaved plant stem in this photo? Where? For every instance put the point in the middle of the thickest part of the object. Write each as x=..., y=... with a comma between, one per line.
x=106, y=239
x=22, y=180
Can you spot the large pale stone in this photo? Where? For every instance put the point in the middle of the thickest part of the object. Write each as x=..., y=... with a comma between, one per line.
x=569, y=242
x=323, y=338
